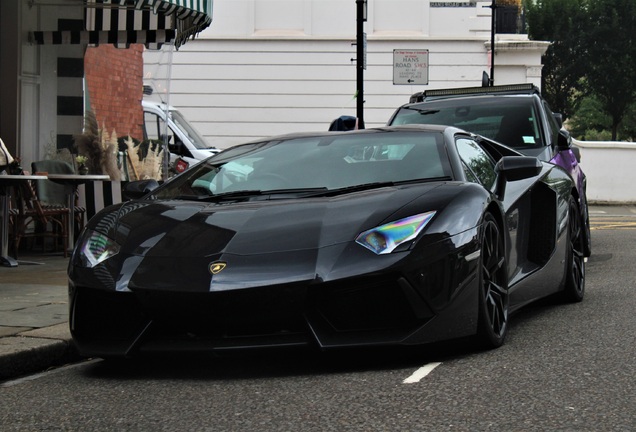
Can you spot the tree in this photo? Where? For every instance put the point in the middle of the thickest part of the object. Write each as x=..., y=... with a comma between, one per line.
x=590, y=120
x=611, y=56
x=593, y=54
x=592, y=123
x=564, y=65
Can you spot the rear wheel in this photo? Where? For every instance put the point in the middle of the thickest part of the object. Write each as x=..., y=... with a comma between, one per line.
x=493, y=286
x=575, y=268
x=587, y=236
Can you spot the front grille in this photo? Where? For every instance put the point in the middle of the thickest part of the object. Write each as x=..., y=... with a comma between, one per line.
x=381, y=303
x=247, y=313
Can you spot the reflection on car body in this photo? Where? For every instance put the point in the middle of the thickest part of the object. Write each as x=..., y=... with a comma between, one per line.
x=515, y=115
x=392, y=236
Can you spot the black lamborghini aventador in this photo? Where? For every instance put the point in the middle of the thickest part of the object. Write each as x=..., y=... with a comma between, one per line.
x=393, y=236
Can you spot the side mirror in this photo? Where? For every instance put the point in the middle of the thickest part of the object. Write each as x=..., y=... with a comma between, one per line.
x=138, y=189
x=175, y=148
x=513, y=168
x=564, y=142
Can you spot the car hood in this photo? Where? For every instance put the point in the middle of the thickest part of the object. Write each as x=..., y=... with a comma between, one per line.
x=186, y=228
x=200, y=247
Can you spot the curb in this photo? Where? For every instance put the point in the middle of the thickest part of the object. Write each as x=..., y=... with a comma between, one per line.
x=35, y=351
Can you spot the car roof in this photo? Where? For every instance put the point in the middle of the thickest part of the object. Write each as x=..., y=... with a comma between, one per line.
x=405, y=127
x=511, y=89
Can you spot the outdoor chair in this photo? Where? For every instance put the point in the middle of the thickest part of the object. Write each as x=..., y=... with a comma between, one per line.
x=29, y=218
x=51, y=194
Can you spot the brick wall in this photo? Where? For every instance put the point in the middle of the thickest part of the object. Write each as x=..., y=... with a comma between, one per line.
x=114, y=79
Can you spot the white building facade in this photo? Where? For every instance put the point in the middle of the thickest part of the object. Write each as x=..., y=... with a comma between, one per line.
x=267, y=67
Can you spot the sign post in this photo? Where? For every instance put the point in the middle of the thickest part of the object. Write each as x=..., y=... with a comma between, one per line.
x=410, y=67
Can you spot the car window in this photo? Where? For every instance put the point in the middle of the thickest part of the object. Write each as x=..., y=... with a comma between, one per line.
x=508, y=120
x=552, y=124
x=156, y=127
x=331, y=162
x=478, y=162
x=470, y=176
x=193, y=135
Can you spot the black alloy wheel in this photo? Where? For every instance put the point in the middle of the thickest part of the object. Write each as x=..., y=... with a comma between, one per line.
x=587, y=235
x=575, y=271
x=493, y=295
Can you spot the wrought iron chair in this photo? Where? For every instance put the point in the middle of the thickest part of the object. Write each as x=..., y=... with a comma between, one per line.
x=29, y=218
x=53, y=194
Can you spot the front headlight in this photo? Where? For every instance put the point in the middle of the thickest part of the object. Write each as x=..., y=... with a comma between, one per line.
x=94, y=248
x=385, y=238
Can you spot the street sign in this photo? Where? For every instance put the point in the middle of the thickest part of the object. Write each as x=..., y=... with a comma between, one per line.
x=410, y=66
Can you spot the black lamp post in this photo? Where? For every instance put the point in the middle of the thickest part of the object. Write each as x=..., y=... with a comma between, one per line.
x=361, y=17
x=493, y=25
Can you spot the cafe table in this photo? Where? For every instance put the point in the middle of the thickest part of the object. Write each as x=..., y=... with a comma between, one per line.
x=71, y=182
x=7, y=183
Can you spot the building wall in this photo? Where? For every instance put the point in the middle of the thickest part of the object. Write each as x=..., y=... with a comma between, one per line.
x=268, y=67
x=608, y=167
x=9, y=74
x=50, y=84
x=114, y=81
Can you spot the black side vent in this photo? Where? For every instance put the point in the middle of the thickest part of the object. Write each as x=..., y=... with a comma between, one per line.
x=542, y=224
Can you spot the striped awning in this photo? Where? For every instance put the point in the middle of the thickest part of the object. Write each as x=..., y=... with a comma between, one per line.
x=122, y=22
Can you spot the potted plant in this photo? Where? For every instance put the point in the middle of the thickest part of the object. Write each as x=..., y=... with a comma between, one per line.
x=81, y=164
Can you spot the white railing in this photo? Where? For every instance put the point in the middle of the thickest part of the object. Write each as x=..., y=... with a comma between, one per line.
x=610, y=168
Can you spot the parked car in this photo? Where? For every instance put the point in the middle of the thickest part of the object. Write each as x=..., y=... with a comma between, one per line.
x=514, y=115
x=185, y=143
x=391, y=236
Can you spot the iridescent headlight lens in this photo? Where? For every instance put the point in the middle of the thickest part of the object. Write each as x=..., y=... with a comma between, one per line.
x=95, y=248
x=385, y=238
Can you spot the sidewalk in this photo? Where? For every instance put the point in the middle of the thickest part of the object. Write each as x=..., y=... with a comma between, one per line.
x=34, y=332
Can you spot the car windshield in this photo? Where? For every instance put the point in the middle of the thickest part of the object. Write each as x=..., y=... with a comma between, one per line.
x=316, y=163
x=195, y=137
x=508, y=120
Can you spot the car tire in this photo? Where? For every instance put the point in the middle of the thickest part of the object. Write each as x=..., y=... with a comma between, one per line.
x=574, y=289
x=587, y=235
x=492, y=325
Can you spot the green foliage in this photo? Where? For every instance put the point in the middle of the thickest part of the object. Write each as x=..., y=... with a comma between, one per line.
x=592, y=123
x=610, y=40
x=627, y=131
x=559, y=21
x=593, y=54
x=598, y=135
x=589, y=119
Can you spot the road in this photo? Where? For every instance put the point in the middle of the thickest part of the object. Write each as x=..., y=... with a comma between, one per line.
x=563, y=368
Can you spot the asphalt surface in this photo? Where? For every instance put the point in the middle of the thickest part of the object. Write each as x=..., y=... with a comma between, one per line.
x=34, y=333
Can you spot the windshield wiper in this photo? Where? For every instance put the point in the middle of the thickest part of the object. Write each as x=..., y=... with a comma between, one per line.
x=301, y=192
x=360, y=187
x=377, y=185
x=423, y=111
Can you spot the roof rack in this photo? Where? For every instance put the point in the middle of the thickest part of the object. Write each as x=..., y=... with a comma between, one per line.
x=525, y=88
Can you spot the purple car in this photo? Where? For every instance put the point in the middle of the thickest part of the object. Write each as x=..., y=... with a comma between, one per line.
x=514, y=115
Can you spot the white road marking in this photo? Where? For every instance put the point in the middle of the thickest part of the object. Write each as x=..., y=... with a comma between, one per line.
x=597, y=212
x=421, y=373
